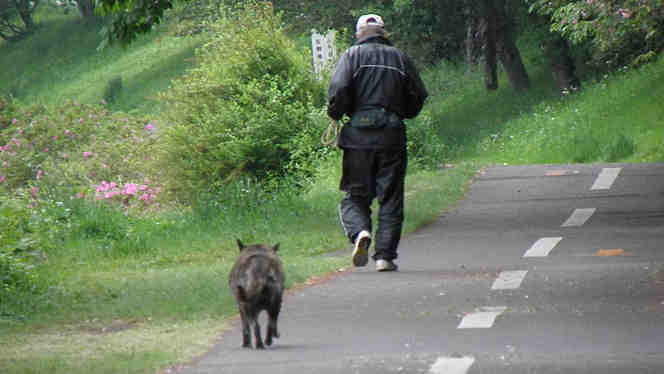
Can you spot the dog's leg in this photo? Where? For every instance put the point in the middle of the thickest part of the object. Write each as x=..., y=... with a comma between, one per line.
x=246, y=332
x=257, y=332
x=272, y=330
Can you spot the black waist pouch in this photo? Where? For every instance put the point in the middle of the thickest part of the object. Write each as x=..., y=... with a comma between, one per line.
x=377, y=118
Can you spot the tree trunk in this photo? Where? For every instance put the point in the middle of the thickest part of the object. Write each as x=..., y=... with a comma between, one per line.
x=487, y=30
x=24, y=10
x=470, y=32
x=87, y=10
x=508, y=52
x=562, y=65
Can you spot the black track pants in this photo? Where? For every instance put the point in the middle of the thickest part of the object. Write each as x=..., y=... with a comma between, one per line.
x=369, y=174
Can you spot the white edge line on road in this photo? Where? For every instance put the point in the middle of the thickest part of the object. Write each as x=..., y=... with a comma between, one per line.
x=452, y=365
x=606, y=178
x=509, y=280
x=579, y=217
x=482, y=318
x=542, y=247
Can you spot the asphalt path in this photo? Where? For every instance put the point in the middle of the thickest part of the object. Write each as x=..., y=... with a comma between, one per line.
x=541, y=269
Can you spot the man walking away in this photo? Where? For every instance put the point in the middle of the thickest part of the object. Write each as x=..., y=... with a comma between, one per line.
x=377, y=86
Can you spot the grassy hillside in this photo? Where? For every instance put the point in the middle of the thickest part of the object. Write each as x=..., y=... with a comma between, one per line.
x=615, y=118
x=60, y=62
x=618, y=118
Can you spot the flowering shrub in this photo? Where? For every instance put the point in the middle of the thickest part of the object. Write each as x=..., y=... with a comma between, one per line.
x=127, y=195
x=64, y=152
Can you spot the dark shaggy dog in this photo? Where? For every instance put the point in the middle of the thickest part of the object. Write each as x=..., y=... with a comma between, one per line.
x=257, y=282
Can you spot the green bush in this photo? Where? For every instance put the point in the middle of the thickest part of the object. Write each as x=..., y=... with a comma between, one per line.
x=113, y=89
x=15, y=239
x=620, y=148
x=244, y=108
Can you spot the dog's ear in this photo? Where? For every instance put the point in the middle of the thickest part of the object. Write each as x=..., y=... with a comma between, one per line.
x=240, y=245
x=275, y=248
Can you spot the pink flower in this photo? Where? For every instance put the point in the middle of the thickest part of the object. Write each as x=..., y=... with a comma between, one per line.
x=108, y=195
x=104, y=166
x=39, y=174
x=625, y=13
x=113, y=185
x=3, y=178
x=149, y=127
x=34, y=192
x=16, y=141
x=2, y=149
x=55, y=137
x=67, y=132
x=130, y=189
x=20, y=131
x=87, y=154
x=46, y=149
x=143, y=187
x=4, y=163
x=14, y=120
x=80, y=195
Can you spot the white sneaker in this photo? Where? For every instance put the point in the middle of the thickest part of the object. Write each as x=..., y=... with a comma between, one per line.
x=386, y=265
x=361, y=250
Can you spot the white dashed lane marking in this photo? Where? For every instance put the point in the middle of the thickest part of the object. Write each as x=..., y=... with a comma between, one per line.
x=509, y=280
x=606, y=178
x=483, y=318
x=579, y=217
x=542, y=247
x=452, y=365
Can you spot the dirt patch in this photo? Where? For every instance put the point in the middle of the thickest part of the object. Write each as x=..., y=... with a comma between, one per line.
x=110, y=328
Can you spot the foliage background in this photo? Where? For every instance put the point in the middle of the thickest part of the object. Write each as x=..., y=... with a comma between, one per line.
x=249, y=107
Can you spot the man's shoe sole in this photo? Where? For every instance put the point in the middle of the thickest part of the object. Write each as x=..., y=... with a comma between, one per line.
x=361, y=252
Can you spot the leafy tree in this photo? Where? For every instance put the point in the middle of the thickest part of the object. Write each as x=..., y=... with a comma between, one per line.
x=16, y=19
x=616, y=32
x=492, y=28
x=132, y=17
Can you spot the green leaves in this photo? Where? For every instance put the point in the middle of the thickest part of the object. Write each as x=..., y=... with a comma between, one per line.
x=241, y=109
x=617, y=32
x=132, y=17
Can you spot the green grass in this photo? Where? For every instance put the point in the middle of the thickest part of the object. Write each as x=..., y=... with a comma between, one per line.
x=60, y=62
x=616, y=119
x=180, y=277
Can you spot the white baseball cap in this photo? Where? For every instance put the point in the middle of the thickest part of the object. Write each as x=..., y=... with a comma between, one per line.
x=369, y=20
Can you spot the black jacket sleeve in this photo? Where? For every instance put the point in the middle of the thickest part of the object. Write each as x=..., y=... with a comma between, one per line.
x=340, y=95
x=417, y=92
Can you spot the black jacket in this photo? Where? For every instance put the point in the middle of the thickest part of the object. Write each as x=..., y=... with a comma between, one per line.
x=373, y=74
